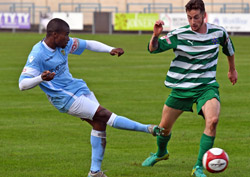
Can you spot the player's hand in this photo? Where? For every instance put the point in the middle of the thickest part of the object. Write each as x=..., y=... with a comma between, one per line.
x=117, y=51
x=233, y=76
x=47, y=75
x=158, y=27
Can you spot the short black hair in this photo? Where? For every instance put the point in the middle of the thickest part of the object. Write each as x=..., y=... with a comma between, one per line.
x=195, y=5
x=56, y=25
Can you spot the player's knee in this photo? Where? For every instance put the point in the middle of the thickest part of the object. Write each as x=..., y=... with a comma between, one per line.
x=213, y=121
x=102, y=114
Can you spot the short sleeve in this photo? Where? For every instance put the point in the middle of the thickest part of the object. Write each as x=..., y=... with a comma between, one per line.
x=78, y=46
x=166, y=42
x=227, y=46
x=32, y=67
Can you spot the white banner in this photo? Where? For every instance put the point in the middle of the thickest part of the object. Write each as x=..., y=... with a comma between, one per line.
x=231, y=22
x=74, y=19
x=173, y=20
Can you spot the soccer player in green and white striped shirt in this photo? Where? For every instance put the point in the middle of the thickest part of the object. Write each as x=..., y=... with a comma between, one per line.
x=192, y=77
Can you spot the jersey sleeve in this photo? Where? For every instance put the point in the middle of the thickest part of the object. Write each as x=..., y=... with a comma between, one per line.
x=32, y=67
x=77, y=46
x=166, y=42
x=227, y=45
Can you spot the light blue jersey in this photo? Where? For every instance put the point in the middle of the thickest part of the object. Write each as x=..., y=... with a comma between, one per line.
x=63, y=89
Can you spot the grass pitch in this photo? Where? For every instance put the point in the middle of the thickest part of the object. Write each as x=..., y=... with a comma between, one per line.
x=38, y=141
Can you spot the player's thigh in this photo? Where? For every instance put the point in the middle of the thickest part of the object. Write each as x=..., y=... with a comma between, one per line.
x=84, y=106
x=211, y=108
x=207, y=100
x=169, y=116
x=172, y=110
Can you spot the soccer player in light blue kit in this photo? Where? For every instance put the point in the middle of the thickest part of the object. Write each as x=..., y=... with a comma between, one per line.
x=47, y=66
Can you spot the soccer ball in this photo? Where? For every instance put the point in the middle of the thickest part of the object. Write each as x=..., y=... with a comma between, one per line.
x=215, y=160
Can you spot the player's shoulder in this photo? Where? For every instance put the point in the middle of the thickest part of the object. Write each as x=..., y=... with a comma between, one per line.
x=180, y=30
x=174, y=33
x=37, y=52
x=215, y=27
x=38, y=49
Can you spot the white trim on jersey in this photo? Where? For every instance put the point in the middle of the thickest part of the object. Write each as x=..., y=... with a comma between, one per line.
x=177, y=31
x=208, y=74
x=70, y=94
x=196, y=48
x=186, y=85
x=28, y=71
x=47, y=47
x=182, y=85
x=200, y=37
x=185, y=65
x=67, y=92
x=202, y=56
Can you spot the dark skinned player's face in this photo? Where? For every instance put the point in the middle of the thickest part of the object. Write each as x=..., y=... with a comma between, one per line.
x=62, y=38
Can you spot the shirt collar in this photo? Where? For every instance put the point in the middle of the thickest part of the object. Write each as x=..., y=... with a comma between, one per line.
x=47, y=47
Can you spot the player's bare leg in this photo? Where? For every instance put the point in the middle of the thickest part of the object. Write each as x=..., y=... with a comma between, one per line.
x=211, y=111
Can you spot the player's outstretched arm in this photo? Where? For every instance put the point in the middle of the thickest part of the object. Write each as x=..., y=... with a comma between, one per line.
x=96, y=46
x=232, y=73
x=153, y=44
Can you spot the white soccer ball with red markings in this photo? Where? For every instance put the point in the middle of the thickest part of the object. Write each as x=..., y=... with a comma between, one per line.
x=215, y=160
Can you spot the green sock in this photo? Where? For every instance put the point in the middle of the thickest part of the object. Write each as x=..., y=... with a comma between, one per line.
x=162, y=142
x=206, y=143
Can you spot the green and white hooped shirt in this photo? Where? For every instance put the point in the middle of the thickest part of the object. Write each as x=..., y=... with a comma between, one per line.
x=196, y=55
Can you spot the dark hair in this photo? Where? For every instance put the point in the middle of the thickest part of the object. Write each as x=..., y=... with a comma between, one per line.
x=195, y=5
x=57, y=25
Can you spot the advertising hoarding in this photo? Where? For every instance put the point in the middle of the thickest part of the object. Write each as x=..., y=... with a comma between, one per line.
x=135, y=21
x=15, y=20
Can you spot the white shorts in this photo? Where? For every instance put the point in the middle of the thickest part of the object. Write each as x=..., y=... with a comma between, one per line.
x=84, y=106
